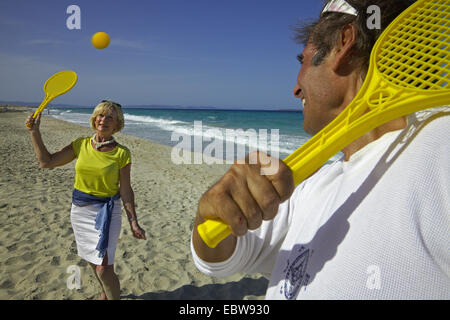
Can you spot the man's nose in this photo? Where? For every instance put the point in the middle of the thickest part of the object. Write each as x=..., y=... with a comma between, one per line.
x=297, y=91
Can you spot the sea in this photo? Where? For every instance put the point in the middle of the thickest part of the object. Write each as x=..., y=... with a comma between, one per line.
x=222, y=134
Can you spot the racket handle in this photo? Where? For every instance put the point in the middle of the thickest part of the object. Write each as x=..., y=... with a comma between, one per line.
x=213, y=232
x=38, y=110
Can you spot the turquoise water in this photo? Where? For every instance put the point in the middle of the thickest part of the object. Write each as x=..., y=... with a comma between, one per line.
x=173, y=127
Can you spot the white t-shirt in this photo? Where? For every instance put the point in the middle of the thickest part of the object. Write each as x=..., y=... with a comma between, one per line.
x=374, y=227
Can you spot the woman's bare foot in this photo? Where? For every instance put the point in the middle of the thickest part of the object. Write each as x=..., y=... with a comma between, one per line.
x=103, y=296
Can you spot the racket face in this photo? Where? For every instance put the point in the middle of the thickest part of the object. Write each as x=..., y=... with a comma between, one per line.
x=414, y=50
x=60, y=83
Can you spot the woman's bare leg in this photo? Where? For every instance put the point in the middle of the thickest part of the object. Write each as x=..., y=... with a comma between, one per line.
x=109, y=280
x=94, y=269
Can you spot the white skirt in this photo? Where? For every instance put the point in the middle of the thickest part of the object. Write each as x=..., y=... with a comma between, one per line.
x=86, y=236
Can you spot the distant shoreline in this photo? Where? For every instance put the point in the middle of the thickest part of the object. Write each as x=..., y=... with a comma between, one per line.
x=153, y=107
x=15, y=108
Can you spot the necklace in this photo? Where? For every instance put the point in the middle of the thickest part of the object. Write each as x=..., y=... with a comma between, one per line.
x=98, y=145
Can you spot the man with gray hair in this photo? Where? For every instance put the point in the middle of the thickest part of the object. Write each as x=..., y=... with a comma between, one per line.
x=371, y=225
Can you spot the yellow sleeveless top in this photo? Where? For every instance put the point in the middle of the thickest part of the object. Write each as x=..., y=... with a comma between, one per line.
x=97, y=173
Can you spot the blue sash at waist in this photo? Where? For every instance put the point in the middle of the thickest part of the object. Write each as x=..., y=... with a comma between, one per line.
x=103, y=217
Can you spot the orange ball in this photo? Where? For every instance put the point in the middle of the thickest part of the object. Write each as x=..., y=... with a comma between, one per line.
x=100, y=40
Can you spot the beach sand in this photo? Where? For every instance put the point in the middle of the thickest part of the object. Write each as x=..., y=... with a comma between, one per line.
x=37, y=245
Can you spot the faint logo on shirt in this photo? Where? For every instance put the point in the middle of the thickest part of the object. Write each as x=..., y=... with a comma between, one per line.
x=295, y=273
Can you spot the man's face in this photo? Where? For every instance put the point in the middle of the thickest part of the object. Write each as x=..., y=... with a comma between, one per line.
x=316, y=86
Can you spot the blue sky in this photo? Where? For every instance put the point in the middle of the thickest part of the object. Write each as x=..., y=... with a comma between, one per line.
x=230, y=54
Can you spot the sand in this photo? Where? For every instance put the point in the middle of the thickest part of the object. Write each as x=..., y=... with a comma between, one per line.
x=37, y=246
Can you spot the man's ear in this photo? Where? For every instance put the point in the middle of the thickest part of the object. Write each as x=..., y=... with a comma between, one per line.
x=343, y=51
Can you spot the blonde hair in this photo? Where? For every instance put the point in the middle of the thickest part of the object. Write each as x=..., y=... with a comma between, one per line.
x=107, y=105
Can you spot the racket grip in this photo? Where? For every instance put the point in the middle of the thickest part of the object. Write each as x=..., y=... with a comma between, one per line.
x=38, y=110
x=213, y=232
x=35, y=114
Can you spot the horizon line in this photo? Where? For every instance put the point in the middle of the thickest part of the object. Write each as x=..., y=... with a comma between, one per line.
x=154, y=106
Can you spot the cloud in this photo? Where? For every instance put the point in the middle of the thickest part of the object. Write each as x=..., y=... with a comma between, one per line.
x=45, y=42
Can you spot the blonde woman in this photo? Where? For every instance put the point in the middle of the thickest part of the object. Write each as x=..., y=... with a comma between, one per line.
x=102, y=178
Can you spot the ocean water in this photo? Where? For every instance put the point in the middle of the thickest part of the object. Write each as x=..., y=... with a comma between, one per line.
x=277, y=132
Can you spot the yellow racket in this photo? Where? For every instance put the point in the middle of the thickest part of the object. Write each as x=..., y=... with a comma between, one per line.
x=409, y=71
x=56, y=85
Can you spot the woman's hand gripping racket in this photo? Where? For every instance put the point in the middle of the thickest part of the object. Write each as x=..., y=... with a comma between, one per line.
x=56, y=85
x=409, y=71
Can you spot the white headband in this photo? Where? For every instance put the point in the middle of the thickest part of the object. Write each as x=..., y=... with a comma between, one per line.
x=341, y=6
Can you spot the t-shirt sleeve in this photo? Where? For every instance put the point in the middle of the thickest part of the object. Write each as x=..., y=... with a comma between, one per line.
x=125, y=158
x=76, y=145
x=255, y=252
